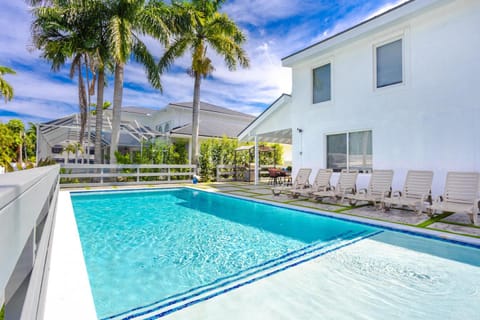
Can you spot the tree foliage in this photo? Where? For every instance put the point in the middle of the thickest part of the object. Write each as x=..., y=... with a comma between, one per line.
x=6, y=89
x=214, y=152
x=157, y=152
x=16, y=144
x=198, y=25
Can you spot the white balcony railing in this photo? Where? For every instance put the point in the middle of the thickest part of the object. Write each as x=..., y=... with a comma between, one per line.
x=27, y=208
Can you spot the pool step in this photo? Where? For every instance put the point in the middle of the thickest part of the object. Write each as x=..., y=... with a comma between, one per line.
x=226, y=284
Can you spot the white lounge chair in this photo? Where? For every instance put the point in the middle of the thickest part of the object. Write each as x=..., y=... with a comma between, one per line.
x=380, y=186
x=416, y=191
x=321, y=183
x=301, y=181
x=461, y=195
x=346, y=185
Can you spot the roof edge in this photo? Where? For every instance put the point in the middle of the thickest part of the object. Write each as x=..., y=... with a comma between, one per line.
x=270, y=108
x=354, y=27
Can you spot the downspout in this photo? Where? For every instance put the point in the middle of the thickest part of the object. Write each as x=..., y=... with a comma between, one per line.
x=256, y=160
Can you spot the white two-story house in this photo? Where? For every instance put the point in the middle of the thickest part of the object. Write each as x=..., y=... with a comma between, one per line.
x=399, y=91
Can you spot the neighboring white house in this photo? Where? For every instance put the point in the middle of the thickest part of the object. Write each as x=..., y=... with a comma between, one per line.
x=139, y=125
x=399, y=91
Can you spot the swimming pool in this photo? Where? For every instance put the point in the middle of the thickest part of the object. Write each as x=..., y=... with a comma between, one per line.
x=154, y=253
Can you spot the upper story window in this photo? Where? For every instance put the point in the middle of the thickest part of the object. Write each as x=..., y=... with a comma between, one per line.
x=389, y=64
x=322, y=83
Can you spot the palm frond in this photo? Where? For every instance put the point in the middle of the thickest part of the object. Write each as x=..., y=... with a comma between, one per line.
x=142, y=55
x=172, y=52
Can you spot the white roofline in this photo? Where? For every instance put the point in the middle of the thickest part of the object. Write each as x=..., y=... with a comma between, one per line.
x=281, y=101
x=399, y=13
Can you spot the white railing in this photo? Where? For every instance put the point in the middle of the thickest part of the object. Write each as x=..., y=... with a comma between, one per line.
x=78, y=175
x=27, y=209
x=228, y=172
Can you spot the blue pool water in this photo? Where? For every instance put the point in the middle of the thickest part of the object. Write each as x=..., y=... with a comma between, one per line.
x=148, y=249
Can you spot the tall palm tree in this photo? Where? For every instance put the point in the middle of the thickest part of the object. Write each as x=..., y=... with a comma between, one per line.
x=6, y=89
x=131, y=19
x=66, y=30
x=77, y=30
x=200, y=25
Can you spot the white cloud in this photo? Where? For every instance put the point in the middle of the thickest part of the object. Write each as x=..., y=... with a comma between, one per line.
x=274, y=28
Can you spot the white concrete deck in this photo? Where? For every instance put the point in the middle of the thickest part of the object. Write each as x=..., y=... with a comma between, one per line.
x=68, y=291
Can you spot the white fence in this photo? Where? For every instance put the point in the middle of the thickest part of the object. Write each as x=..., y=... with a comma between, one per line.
x=78, y=175
x=230, y=172
x=27, y=209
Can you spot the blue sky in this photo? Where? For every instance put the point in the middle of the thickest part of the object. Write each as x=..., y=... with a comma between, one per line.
x=274, y=29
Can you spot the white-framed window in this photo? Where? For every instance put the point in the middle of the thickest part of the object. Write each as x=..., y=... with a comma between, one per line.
x=322, y=83
x=350, y=150
x=389, y=62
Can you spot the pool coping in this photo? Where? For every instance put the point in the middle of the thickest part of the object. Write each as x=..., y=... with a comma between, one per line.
x=69, y=294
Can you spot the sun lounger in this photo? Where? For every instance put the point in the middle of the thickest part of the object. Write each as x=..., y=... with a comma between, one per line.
x=321, y=183
x=301, y=181
x=380, y=186
x=346, y=185
x=416, y=191
x=461, y=195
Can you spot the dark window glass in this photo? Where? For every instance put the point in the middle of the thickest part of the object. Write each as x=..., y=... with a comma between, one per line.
x=337, y=152
x=321, y=84
x=389, y=64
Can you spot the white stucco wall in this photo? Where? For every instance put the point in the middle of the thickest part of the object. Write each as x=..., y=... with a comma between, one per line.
x=431, y=121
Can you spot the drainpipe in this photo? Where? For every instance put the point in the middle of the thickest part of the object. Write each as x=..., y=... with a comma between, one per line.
x=256, y=160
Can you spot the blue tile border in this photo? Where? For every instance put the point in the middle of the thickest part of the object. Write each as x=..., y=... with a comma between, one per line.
x=409, y=230
x=344, y=217
x=241, y=284
x=318, y=245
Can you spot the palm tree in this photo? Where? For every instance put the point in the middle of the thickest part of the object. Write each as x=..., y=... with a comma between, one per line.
x=6, y=89
x=78, y=30
x=130, y=19
x=200, y=26
x=66, y=30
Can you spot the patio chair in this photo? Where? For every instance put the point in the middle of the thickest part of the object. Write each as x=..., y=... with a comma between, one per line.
x=321, y=183
x=380, y=186
x=461, y=195
x=301, y=181
x=416, y=191
x=346, y=185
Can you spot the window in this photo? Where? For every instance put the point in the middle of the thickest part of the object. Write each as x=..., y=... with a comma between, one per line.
x=352, y=150
x=57, y=149
x=321, y=84
x=389, y=64
x=164, y=127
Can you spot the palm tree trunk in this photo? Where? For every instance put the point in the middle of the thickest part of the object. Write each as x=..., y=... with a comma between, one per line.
x=196, y=120
x=117, y=109
x=99, y=116
x=82, y=101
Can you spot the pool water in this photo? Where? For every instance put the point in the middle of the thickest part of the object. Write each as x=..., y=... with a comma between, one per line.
x=152, y=253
